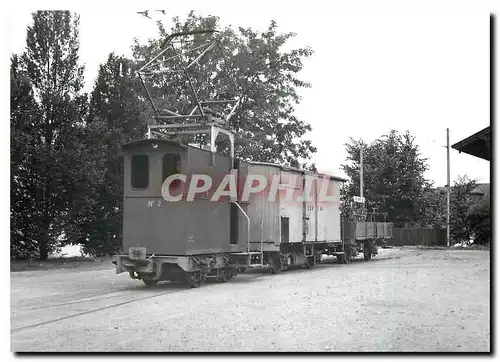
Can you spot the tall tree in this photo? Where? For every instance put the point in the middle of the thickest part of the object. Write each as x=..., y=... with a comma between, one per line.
x=24, y=111
x=116, y=115
x=394, y=181
x=55, y=161
x=266, y=74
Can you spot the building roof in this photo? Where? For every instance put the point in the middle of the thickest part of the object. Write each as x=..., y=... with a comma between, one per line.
x=481, y=189
x=478, y=145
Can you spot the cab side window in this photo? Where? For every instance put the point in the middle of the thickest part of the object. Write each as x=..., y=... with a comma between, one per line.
x=140, y=172
x=171, y=165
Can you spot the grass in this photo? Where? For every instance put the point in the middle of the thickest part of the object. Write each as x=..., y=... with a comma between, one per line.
x=59, y=263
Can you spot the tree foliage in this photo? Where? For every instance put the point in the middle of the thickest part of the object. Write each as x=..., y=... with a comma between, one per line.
x=461, y=203
x=24, y=110
x=267, y=78
x=479, y=220
x=67, y=172
x=394, y=181
x=115, y=117
x=50, y=183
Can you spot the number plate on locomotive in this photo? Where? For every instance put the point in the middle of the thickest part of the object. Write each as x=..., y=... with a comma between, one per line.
x=137, y=252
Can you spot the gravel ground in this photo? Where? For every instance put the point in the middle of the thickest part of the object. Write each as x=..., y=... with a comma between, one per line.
x=405, y=299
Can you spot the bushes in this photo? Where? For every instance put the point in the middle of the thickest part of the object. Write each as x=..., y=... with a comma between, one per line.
x=480, y=223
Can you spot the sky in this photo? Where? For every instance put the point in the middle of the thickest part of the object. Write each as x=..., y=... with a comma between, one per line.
x=417, y=66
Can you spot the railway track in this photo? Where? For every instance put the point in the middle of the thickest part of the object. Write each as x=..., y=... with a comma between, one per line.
x=127, y=293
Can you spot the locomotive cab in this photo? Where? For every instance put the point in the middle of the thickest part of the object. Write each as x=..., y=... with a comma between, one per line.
x=148, y=220
x=180, y=227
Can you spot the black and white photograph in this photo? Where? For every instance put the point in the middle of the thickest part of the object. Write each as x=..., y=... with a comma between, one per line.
x=266, y=176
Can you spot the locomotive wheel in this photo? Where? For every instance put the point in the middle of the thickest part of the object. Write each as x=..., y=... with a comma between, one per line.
x=367, y=251
x=195, y=279
x=150, y=282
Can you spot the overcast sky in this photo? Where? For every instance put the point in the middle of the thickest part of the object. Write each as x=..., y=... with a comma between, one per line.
x=376, y=67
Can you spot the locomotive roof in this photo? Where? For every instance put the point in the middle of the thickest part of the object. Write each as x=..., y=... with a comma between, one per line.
x=151, y=141
x=282, y=167
x=288, y=168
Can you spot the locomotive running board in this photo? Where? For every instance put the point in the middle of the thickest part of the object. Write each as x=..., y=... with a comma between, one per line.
x=246, y=253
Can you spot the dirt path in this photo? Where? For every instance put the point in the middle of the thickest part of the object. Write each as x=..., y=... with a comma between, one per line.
x=403, y=300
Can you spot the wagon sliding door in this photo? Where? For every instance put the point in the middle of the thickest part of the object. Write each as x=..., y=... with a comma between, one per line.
x=292, y=208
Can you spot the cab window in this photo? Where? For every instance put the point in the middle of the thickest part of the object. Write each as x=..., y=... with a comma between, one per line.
x=171, y=165
x=140, y=171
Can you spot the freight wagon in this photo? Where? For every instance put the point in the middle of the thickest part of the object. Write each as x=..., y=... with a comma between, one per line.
x=292, y=226
x=361, y=237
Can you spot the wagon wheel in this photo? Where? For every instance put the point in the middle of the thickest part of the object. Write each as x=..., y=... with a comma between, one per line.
x=149, y=282
x=195, y=279
x=284, y=263
x=367, y=250
x=226, y=276
x=230, y=273
x=275, y=265
x=347, y=255
x=310, y=262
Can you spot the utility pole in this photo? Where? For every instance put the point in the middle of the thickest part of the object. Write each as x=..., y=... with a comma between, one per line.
x=448, y=189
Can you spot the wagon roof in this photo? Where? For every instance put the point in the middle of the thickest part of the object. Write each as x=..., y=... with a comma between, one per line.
x=151, y=141
x=288, y=168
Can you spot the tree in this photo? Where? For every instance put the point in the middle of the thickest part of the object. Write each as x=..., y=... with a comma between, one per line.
x=394, y=181
x=52, y=177
x=23, y=112
x=115, y=117
x=479, y=221
x=460, y=206
x=267, y=76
